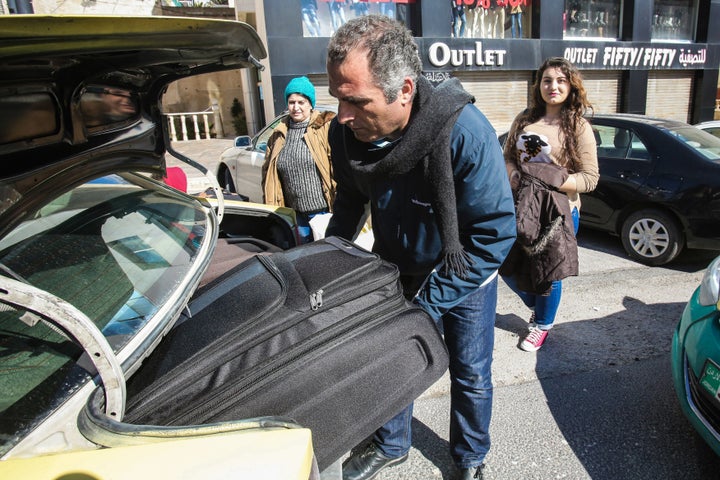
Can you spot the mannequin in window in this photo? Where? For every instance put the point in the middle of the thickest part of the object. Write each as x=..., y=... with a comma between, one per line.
x=459, y=20
x=385, y=7
x=337, y=13
x=601, y=21
x=472, y=13
x=496, y=19
x=572, y=17
x=516, y=21
x=598, y=18
x=360, y=7
x=310, y=18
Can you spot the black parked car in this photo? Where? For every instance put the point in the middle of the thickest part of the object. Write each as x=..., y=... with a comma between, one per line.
x=659, y=187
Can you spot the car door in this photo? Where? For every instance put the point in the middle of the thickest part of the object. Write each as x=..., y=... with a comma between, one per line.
x=249, y=161
x=260, y=143
x=625, y=162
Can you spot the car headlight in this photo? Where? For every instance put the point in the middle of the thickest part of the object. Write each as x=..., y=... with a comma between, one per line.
x=710, y=285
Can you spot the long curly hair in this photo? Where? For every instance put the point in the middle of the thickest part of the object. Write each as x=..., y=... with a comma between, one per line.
x=571, y=113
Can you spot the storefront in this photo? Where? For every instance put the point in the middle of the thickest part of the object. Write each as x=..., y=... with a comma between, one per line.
x=656, y=57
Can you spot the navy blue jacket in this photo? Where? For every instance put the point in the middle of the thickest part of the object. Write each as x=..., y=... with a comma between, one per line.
x=405, y=227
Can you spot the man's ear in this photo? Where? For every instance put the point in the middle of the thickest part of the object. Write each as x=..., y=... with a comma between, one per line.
x=407, y=91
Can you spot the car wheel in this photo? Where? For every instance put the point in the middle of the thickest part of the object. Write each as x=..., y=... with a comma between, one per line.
x=651, y=237
x=226, y=181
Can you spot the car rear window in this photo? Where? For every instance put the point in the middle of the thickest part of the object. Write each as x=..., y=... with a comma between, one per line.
x=704, y=143
x=115, y=250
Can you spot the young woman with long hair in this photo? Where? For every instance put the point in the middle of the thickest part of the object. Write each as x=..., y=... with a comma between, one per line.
x=553, y=129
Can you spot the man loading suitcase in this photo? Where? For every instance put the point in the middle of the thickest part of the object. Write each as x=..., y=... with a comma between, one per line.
x=429, y=163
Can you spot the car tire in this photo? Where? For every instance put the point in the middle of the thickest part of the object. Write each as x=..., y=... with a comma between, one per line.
x=651, y=237
x=226, y=181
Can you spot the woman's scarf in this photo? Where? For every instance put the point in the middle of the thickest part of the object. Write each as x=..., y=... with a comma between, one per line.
x=427, y=140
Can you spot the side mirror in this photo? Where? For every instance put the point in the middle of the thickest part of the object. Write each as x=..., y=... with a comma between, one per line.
x=242, y=141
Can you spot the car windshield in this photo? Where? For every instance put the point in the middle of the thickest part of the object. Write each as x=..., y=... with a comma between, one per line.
x=704, y=143
x=114, y=248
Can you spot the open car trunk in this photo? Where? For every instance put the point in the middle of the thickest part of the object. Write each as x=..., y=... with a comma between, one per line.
x=133, y=314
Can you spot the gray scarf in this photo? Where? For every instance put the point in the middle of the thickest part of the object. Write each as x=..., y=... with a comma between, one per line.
x=426, y=140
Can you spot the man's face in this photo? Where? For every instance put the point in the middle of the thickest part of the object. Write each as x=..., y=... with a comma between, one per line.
x=362, y=105
x=120, y=101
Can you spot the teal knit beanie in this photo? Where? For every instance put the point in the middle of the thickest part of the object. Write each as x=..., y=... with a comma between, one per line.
x=303, y=86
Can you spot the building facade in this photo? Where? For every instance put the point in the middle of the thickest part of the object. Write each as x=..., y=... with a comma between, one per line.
x=654, y=57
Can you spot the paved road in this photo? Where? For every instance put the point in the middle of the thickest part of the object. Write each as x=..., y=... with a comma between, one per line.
x=596, y=402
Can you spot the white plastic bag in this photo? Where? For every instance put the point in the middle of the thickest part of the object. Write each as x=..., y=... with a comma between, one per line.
x=319, y=224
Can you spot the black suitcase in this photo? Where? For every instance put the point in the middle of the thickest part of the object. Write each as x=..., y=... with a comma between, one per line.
x=320, y=333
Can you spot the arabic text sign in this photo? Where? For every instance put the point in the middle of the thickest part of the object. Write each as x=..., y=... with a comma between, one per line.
x=637, y=57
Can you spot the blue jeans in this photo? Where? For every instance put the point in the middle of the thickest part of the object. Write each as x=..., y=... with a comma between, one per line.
x=459, y=22
x=387, y=9
x=309, y=16
x=545, y=306
x=516, y=19
x=469, y=335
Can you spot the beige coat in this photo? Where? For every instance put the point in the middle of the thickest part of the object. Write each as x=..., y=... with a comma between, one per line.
x=316, y=138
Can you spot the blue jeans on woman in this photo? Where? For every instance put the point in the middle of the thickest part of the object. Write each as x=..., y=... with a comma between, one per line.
x=469, y=330
x=545, y=306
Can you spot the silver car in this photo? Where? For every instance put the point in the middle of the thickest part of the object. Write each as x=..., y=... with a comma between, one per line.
x=240, y=167
x=711, y=126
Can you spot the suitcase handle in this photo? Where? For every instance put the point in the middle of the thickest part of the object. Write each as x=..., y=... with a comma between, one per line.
x=328, y=244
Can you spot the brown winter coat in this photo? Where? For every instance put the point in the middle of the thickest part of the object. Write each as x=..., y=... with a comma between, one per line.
x=546, y=248
x=316, y=138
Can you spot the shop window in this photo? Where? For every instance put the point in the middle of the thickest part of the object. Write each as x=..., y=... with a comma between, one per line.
x=674, y=20
x=490, y=18
x=592, y=19
x=321, y=18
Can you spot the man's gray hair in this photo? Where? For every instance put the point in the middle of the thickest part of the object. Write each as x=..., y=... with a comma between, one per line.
x=392, y=51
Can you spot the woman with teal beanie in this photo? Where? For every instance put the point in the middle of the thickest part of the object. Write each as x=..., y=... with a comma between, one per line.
x=297, y=172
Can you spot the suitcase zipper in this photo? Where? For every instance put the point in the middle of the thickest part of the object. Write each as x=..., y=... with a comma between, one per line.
x=316, y=300
x=346, y=279
x=314, y=344
x=319, y=296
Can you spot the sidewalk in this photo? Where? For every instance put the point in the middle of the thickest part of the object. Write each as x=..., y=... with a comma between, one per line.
x=205, y=152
